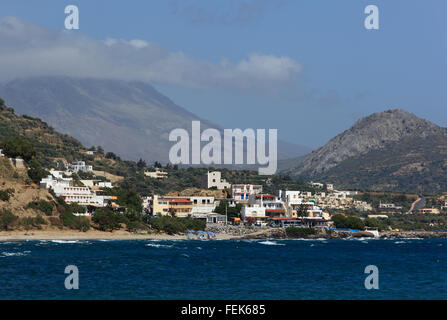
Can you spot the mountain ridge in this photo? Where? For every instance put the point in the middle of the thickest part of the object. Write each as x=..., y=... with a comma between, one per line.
x=130, y=118
x=387, y=150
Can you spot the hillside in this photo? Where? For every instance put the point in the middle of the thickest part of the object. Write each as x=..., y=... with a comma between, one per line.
x=48, y=143
x=391, y=150
x=51, y=146
x=129, y=118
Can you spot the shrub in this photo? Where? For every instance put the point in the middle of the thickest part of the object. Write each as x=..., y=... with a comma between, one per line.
x=7, y=220
x=340, y=221
x=40, y=220
x=296, y=232
x=82, y=224
x=134, y=226
x=76, y=208
x=5, y=195
x=70, y=220
x=56, y=221
x=173, y=225
x=107, y=220
x=170, y=225
x=42, y=205
x=32, y=222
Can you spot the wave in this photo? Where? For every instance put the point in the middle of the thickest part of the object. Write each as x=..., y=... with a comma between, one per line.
x=157, y=245
x=65, y=241
x=271, y=243
x=14, y=254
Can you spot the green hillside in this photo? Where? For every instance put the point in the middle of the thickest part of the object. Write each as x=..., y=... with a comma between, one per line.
x=52, y=146
x=48, y=143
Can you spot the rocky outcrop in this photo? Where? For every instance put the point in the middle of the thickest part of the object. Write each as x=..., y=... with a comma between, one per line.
x=370, y=133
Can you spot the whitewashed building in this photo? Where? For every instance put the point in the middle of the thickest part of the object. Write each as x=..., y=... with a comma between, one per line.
x=214, y=179
x=79, y=166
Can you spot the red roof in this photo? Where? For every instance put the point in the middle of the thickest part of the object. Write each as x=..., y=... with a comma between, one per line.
x=274, y=210
x=265, y=195
x=180, y=201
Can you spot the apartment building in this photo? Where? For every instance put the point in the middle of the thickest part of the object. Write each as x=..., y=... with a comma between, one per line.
x=243, y=191
x=255, y=212
x=214, y=179
x=273, y=205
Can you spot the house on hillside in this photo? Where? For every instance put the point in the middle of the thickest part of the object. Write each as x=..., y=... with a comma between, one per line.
x=157, y=174
x=79, y=166
x=244, y=191
x=214, y=179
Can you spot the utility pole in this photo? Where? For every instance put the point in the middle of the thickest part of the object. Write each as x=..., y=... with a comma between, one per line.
x=226, y=213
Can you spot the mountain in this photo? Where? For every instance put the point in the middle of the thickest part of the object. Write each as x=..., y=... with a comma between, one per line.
x=391, y=150
x=129, y=118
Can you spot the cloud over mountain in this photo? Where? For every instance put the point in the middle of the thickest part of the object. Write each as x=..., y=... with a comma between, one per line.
x=31, y=50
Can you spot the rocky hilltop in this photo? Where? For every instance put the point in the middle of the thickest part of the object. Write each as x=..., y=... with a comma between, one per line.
x=385, y=151
x=370, y=133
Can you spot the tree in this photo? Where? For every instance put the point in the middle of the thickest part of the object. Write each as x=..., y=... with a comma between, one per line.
x=224, y=208
x=100, y=151
x=157, y=164
x=340, y=221
x=18, y=147
x=2, y=102
x=111, y=155
x=141, y=164
x=106, y=220
x=130, y=199
x=7, y=218
x=171, y=212
x=36, y=172
x=302, y=210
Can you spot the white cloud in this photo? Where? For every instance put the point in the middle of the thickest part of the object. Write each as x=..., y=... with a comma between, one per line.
x=31, y=50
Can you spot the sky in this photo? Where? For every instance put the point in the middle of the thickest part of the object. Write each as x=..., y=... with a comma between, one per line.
x=307, y=68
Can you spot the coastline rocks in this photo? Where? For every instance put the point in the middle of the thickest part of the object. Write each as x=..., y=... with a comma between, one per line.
x=412, y=234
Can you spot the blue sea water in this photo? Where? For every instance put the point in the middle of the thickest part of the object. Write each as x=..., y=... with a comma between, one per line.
x=192, y=269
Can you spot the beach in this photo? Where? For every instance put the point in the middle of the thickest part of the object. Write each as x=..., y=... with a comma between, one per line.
x=93, y=235
x=267, y=233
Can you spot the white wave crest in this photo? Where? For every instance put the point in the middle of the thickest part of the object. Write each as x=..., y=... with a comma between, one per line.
x=271, y=243
x=157, y=245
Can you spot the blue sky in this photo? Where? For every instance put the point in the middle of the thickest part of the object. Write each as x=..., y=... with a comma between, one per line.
x=332, y=70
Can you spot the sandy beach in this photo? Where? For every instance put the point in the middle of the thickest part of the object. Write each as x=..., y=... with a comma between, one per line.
x=92, y=235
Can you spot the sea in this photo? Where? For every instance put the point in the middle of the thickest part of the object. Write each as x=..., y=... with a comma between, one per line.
x=225, y=269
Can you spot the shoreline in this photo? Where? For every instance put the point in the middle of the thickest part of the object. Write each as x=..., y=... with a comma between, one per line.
x=93, y=235
x=124, y=235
